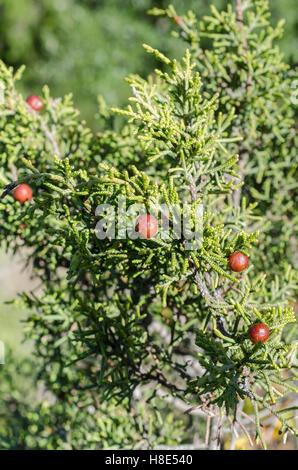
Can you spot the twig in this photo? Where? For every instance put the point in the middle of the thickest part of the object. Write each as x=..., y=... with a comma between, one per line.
x=242, y=155
x=245, y=432
x=208, y=423
x=249, y=418
x=51, y=138
x=239, y=14
x=214, y=433
x=211, y=301
x=235, y=434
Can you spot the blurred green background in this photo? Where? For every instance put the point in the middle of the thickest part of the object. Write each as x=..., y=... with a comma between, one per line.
x=88, y=47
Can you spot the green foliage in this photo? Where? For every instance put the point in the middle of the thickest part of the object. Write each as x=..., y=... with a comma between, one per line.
x=40, y=421
x=249, y=75
x=90, y=46
x=122, y=321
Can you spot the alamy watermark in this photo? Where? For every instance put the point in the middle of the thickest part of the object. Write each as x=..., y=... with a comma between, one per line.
x=179, y=222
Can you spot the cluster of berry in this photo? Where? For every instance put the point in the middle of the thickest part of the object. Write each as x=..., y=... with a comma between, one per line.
x=147, y=227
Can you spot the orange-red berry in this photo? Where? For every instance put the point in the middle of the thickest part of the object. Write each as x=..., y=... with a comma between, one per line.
x=35, y=102
x=258, y=332
x=238, y=261
x=178, y=19
x=23, y=193
x=147, y=226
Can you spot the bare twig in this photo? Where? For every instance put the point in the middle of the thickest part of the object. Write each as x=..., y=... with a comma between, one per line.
x=216, y=424
x=208, y=423
x=241, y=425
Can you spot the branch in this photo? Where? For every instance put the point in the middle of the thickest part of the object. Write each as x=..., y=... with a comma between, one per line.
x=216, y=424
x=239, y=14
x=210, y=300
x=176, y=402
x=51, y=138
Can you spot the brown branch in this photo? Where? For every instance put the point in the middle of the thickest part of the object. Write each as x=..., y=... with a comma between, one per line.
x=216, y=424
x=243, y=156
x=241, y=425
x=208, y=423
